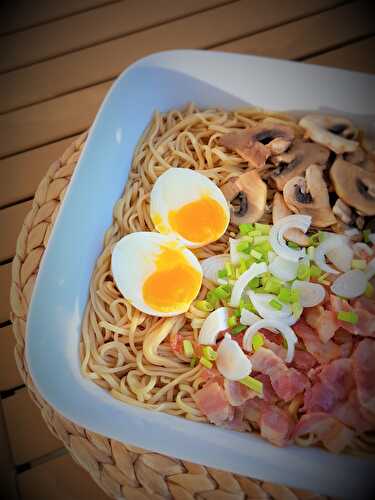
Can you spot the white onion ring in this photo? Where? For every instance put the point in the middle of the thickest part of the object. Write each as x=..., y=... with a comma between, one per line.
x=231, y=361
x=277, y=240
x=311, y=294
x=212, y=265
x=320, y=252
x=350, y=285
x=248, y=318
x=280, y=326
x=362, y=247
x=260, y=302
x=283, y=269
x=216, y=322
x=240, y=285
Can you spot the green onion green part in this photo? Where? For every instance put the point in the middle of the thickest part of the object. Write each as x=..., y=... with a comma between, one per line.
x=205, y=362
x=188, y=348
x=348, y=317
x=275, y=304
x=204, y=305
x=238, y=329
x=360, y=264
x=369, y=292
x=245, y=229
x=253, y=384
x=209, y=353
x=258, y=341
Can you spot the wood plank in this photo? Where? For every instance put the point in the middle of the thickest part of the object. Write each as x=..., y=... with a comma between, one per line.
x=92, y=27
x=21, y=174
x=7, y=471
x=28, y=434
x=80, y=69
x=11, y=220
x=308, y=36
x=5, y=280
x=58, y=479
x=9, y=374
x=51, y=120
x=357, y=56
x=23, y=14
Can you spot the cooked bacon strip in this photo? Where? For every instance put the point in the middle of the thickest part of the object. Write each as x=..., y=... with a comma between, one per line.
x=276, y=425
x=333, y=434
x=349, y=413
x=212, y=402
x=237, y=393
x=364, y=373
x=323, y=353
x=366, y=317
x=269, y=394
x=253, y=409
x=323, y=321
x=236, y=423
x=287, y=382
x=303, y=361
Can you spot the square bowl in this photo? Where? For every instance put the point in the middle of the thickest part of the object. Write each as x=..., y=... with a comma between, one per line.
x=163, y=81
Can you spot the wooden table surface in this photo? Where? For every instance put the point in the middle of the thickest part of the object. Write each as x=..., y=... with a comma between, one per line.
x=57, y=61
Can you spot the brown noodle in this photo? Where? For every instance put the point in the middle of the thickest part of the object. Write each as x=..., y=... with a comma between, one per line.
x=128, y=352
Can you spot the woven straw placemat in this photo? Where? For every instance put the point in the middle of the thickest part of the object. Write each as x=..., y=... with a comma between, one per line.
x=122, y=471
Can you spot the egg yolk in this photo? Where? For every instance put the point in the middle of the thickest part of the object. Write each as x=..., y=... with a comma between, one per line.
x=173, y=284
x=201, y=221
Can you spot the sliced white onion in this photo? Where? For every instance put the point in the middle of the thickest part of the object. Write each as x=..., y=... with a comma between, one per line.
x=352, y=232
x=240, y=285
x=311, y=294
x=341, y=257
x=370, y=270
x=235, y=255
x=277, y=240
x=280, y=326
x=271, y=256
x=360, y=248
x=350, y=285
x=261, y=303
x=212, y=265
x=231, y=361
x=248, y=318
x=326, y=246
x=216, y=322
x=283, y=269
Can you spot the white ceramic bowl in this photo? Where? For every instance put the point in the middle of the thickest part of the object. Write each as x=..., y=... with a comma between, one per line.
x=163, y=81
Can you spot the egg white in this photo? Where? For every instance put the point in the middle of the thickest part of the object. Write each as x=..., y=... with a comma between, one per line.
x=133, y=261
x=177, y=187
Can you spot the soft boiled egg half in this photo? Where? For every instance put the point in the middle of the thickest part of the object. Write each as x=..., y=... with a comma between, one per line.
x=156, y=273
x=189, y=206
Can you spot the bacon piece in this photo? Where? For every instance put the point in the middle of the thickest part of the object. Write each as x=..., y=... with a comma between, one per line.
x=323, y=353
x=236, y=423
x=287, y=382
x=212, y=402
x=303, y=361
x=331, y=432
x=237, y=393
x=349, y=413
x=365, y=327
x=278, y=349
x=276, y=425
x=364, y=373
x=176, y=342
x=366, y=304
x=269, y=394
x=253, y=409
x=323, y=321
x=335, y=381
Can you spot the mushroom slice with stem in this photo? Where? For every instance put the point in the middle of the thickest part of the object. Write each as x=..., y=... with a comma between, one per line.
x=309, y=196
x=361, y=158
x=354, y=185
x=296, y=160
x=257, y=144
x=280, y=210
x=247, y=196
x=332, y=131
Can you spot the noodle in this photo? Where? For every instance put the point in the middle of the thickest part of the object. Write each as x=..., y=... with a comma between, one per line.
x=128, y=352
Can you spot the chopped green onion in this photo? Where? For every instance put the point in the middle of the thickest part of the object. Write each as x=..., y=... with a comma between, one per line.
x=193, y=362
x=242, y=266
x=204, y=305
x=263, y=248
x=284, y=295
x=253, y=384
x=222, y=292
x=212, y=298
x=348, y=317
x=232, y=321
x=256, y=232
x=360, y=264
x=205, y=362
x=222, y=273
x=315, y=272
x=243, y=246
x=296, y=309
x=292, y=244
x=256, y=255
x=237, y=313
x=258, y=341
x=322, y=279
x=314, y=239
x=246, y=228
x=369, y=292
x=188, y=348
x=259, y=240
x=263, y=228
x=272, y=285
x=294, y=295
x=209, y=353
x=311, y=253
x=238, y=329
x=275, y=304
x=254, y=283
x=229, y=269
x=303, y=272
x=366, y=233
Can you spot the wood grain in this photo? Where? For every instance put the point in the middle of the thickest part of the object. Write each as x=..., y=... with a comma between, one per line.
x=9, y=375
x=5, y=280
x=92, y=27
x=11, y=218
x=81, y=69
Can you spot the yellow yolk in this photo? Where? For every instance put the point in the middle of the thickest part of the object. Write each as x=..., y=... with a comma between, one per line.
x=200, y=221
x=174, y=283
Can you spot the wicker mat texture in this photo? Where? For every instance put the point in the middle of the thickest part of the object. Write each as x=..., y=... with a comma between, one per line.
x=122, y=471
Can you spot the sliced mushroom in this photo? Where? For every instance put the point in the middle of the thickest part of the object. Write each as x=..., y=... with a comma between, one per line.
x=343, y=212
x=257, y=144
x=354, y=185
x=247, y=195
x=280, y=210
x=332, y=131
x=309, y=196
x=296, y=160
x=361, y=158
